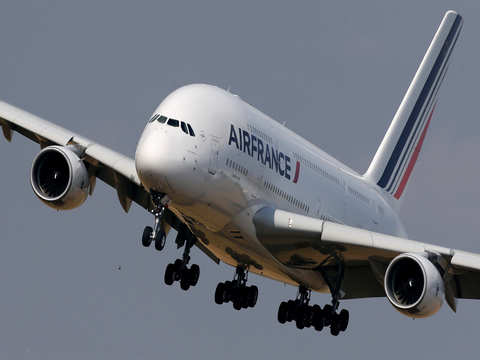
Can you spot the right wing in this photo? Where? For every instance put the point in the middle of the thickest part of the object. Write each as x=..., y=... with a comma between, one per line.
x=303, y=242
x=113, y=168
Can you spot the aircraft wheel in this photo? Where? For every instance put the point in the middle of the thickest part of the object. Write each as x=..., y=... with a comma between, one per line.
x=252, y=296
x=282, y=312
x=160, y=240
x=146, y=237
x=335, y=328
x=343, y=318
x=185, y=282
x=328, y=314
x=219, y=291
x=194, y=273
x=169, y=274
x=317, y=318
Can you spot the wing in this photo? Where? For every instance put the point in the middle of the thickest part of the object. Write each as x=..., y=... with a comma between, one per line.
x=113, y=168
x=304, y=242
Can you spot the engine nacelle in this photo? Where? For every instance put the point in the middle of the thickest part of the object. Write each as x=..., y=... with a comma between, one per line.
x=414, y=285
x=59, y=178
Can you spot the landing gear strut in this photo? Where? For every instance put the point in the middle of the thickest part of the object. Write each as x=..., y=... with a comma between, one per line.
x=157, y=233
x=179, y=271
x=237, y=291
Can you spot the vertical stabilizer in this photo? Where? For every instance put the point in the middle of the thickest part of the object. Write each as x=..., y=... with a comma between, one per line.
x=395, y=158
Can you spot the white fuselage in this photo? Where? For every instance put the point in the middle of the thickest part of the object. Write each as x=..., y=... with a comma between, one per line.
x=240, y=160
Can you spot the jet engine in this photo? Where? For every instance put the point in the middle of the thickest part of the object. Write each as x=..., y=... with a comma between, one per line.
x=59, y=178
x=414, y=285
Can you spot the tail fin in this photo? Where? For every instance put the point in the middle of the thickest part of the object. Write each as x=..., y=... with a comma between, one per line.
x=394, y=160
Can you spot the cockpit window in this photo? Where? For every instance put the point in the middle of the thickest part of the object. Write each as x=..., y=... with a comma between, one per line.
x=153, y=118
x=184, y=127
x=173, y=122
x=190, y=130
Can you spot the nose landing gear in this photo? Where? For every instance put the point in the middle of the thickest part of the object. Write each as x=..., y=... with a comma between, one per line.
x=237, y=291
x=157, y=233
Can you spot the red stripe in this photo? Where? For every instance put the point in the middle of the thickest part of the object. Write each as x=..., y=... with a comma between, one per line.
x=297, y=172
x=413, y=160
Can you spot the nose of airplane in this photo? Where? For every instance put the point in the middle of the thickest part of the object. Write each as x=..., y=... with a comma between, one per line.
x=162, y=165
x=151, y=160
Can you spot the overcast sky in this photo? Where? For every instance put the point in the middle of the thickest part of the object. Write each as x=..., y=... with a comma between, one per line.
x=334, y=72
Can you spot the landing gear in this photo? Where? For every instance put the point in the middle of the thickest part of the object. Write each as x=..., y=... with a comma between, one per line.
x=237, y=291
x=157, y=233
x=301, y=312
x=304, y=315
x=179, y=271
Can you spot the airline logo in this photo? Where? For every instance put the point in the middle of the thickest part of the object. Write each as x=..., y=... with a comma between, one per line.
x=263, y=152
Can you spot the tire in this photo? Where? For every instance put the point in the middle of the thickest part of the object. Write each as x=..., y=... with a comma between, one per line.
x=228, y=291
x=299, y=322
x=343, y=319
x=178, y=265
x=194, y=273
x=282, y=312
x=237, y=304
x=160, y=240
x=185, y=283
x=318, y=318
x=169, y=274
x=328, y=314
x=308, y=316
x=244, y=299
x=300, y=317
x=252, y=296
x=334, y=329
x=146, y=237
x=291, y=310
x=219, y=291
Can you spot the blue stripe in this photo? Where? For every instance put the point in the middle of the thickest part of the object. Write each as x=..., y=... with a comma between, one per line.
x=419, y=124
x=392, y=162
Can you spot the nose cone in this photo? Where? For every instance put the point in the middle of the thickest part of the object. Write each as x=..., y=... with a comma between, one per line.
x=151, y=161
x=163, y=165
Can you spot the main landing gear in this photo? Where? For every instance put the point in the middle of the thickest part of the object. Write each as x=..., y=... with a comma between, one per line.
x=304, y=315
x=179, y=271
x=157, y=233
x=237, y=291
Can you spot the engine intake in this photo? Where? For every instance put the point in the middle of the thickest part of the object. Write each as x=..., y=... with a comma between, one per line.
x=414, y=286
x=59, y=178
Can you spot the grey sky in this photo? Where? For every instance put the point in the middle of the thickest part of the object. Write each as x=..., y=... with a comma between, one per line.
x=334, y=71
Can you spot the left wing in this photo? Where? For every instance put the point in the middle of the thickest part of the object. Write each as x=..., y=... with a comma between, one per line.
x=304, y=242
x=113, y=168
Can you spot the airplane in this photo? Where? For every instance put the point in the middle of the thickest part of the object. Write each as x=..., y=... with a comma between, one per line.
x=249, y=192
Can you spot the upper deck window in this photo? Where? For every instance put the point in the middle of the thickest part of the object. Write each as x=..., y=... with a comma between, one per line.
x=190, y=130
x=173, y=122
